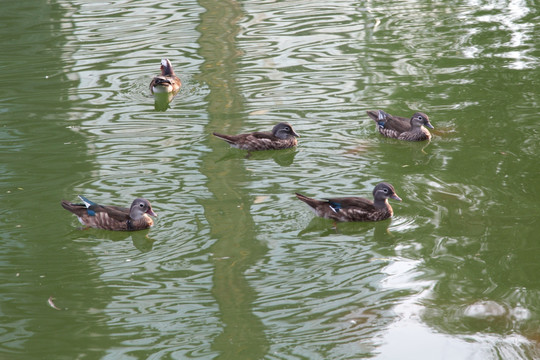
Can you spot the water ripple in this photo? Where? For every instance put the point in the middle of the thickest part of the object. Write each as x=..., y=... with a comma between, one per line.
x=318, y=290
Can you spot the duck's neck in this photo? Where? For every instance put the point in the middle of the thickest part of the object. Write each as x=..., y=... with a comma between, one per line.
x=381, y=204
x=136, y=215
x=415, y=126
x=167, y=71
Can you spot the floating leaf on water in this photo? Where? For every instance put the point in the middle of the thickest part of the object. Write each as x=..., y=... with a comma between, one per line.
x=259, y=112
x=259, y=199
x=358, y=149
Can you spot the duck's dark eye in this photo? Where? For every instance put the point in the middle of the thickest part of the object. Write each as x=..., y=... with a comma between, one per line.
x=287, y=128
x=385, y=190
x=141, y=205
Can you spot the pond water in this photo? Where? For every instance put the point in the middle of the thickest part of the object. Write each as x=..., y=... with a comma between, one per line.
x=235, y=266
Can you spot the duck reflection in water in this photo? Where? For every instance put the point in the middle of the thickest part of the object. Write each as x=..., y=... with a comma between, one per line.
x=283, y=158
x=320, y=226
x=141, y=240
x=162, y=100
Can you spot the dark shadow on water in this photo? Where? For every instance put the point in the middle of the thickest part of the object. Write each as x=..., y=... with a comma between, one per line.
x=418, y=150
x=281, y=157
x=162, y=100
x=227, y=211
x=140, y=239
x=327, y=227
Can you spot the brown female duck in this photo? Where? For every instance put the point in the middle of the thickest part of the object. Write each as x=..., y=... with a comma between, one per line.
x=113, y=217
x=401, y=128
x=166, y=82
x=282, y=136
x=355, y=208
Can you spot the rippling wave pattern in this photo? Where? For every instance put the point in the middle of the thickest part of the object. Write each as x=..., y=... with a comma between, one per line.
x=235, y=266
x=142, y=152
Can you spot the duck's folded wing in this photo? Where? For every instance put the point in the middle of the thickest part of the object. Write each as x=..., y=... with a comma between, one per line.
x=264, y=135
x=398, y=123
x=351, y=202
x=228, y=138
x=115, y=212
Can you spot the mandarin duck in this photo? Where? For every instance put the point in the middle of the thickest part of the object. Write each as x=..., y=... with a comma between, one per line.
x=282, y=136
x=355, y=208
x=401, y=128
x=166, y=82
x=112, y=217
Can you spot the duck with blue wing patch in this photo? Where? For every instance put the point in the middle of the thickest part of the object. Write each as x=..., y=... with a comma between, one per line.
x=401, y=128
x=355, y=208
x=110, y=217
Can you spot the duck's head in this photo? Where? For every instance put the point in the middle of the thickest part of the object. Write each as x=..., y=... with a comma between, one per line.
x=284, y=130
x=139, y=207
x=385, y=191
x=420, y=119
x=166, y=68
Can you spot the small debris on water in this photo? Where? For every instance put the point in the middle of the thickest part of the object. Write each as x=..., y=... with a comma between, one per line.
x=51, y=303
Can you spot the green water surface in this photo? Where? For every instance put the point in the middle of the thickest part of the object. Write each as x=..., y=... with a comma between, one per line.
x=235, y=266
